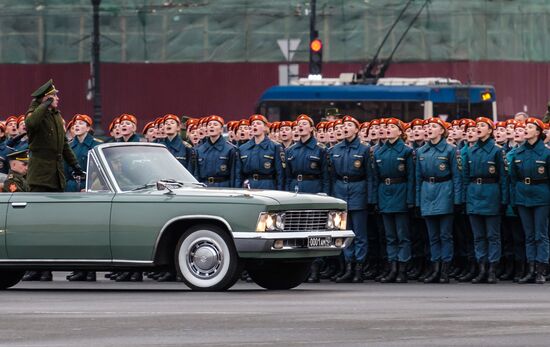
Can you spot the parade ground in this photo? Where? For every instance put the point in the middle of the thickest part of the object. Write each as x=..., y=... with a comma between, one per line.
x=106, y=313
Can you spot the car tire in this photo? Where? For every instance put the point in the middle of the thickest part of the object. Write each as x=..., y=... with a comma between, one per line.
x=206, y=259
x=279, y=275
x=9, y=278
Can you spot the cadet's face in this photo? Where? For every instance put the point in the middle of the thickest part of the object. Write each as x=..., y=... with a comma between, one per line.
x=151, y=134
x=304, y=128
x=331, y=135
x=19, y=166
x=350, y=130
x=393, y=131
x=363, y=134
x=408, y=132
x=12, y=128
x=22, y=128
x=531, y=131
x=510, y=131
x=171, y=127
x=339, y=132
x=321, y=135
x=519, y=134
x=194, y=136
x=116, y=131
x=215, y=128
x=80, y=127
x=257, y=128
x=456, y=132
x=418, y=133
x=434, y=131
x=127, y=128
x=285, y=133
x=500, y=134
x=295, y=135
x=383, y=132
x=471, y=134
x=483, y=130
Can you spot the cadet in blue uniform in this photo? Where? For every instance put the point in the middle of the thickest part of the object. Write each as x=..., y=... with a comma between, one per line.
x=128, y=128
x=438, y=191
x=485, y=194
x=150, y=132
x=216, y=157
x=306, y=162
x=393, y=191
x=531, y=195
x=180, y=149
x=350, y=176
x=261, y=162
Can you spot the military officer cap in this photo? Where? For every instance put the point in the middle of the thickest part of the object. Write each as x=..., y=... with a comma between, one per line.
x=332, y=112
x=46, y=89
x=19, y=155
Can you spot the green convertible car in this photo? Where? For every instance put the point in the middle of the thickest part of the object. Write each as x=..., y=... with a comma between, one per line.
x=141, y=210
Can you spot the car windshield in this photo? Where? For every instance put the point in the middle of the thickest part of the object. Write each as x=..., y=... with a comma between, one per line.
x=134, y=167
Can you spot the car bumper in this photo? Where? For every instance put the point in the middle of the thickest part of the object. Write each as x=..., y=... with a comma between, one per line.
x=294, y=244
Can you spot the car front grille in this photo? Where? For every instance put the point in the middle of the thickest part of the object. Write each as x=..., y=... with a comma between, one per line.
x=307, y=220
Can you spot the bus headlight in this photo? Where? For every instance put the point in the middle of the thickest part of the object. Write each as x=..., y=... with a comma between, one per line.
x=271, y=222
x=337, y=220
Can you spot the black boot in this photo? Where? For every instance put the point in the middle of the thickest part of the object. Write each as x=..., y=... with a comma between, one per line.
x=46, y=276
x=519, y=270
x=444, y=276
x=541, y=271
x=77, y=276
x=529, y=275
x=329, y=270
x=348, y=274
x=401, y=273
x=123, y=277
x=385, y=271
x=31, y=276
x=470, y=273
x=428, y=269
x=508, y=269
x=373, y=271
x=168, y=277
x=341, y=269
x=90, y=276
x=416, y=269
x=136, y=277
x=433, y=277
x=391, y=275
x=457, y=267
x=482, y=273
x=358, y=275
x=314, y=274
x=492, y=273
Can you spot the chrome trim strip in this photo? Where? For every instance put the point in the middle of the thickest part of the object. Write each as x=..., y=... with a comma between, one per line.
x=76, y=261
x=291, y=235
x=93, y=156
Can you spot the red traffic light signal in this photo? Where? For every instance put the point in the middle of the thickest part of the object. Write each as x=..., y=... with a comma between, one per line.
x=316, y=45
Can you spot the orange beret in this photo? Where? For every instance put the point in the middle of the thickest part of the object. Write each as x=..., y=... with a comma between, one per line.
x=501, y=124
x=417, y=122
x=518, y=124
x=438, y=121
x=351, y=119
x=128, y=117
x=215, y=118
x=406, y=126
x=456, y=122
x=11, y=119
x=21, y=118
x=84, y=118
x=485, y=120
x=321, y=125
x=536, y=121
x=511, y=121
x=258, y=117
x=114, y=122
x=231, y=125
x=285, y=123
x=148, y=126
x=306, y=118
x=172, y=117
x=395, y=121
x=337, y=122
x=329, y=125
x=243, y=122
x=469, y=123
x=375, y=122
x=69, y=124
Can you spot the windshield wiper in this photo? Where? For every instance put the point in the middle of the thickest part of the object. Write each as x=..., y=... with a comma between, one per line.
x=145, y=186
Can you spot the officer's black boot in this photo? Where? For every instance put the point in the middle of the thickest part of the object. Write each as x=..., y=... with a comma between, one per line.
x=341, y=269
x=358, y=274
x=90, y=276
x=391, y=275
x=385, y=271
x=470, y=272
x=348, y=274
x=314, y=274
x=541, y=269
x=31, y=276
x=482, y=273
x=444, y=276
x=492, y=273
x=433, y=277
x=508, y=269
x=401, y=273
x=519, y=270
x=78, y=276
x=529, y=275
x=46, y=276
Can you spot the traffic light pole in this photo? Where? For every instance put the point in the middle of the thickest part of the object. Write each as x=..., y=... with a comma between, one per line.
x=315, y=45
x=312, y=21
x=96, y=69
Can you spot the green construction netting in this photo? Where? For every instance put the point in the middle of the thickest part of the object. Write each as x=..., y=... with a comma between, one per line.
x=56, y=31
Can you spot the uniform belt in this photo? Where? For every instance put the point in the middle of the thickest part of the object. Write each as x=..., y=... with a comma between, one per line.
x=46, y=154
x=301, y=178
x=258, y=177
x=529, y=180
x=347, y=179
x=217, y=179
x=484, y=180
x=437, y=179
x=393, y=180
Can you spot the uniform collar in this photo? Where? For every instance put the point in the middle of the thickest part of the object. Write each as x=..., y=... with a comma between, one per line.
x=353, y=144
x=176, y=140
x=397, y=145
x=439, y=146
x=486, y=146
x=264, y=144
x=538, y=147
x=218, y=144
x=310, y=143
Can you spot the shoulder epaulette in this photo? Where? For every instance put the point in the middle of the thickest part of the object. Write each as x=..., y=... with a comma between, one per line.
x=187, y=144
x=98, y=140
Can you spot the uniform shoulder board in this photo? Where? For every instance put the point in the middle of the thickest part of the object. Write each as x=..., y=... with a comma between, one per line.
x=229, y=143
x=10, y=176
x=291, y=145
x=498, y=146
x=187, y=144
x=98, y=140
x=321, y=145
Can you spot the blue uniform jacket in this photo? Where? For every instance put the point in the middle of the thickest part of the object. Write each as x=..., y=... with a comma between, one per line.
x=309, y=158
x=133, y=138
x=264, y=158
x=216, y=161
x=393, y=161
x=183, y=152
x=530, y=162
x=439, y=162
x=351, y=159
x=80, y=150
x=484, y=160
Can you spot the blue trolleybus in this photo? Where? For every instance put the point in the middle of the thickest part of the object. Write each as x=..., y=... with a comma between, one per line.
x=403, y=98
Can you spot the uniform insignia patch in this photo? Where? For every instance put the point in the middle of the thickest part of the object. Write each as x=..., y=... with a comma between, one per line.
x=357, y=163
x=401, y=167
x=1, y=164
x=442, y=167
x=540, y=170
x=12, y=187
x=492, y=169
x=314, y=165
x=267, y=165
x=223, y=167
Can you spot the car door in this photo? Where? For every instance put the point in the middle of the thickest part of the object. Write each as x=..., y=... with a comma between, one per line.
x=61, y=226
x=4, y=198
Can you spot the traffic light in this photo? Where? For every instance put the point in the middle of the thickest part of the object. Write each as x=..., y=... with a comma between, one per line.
x=315, y=57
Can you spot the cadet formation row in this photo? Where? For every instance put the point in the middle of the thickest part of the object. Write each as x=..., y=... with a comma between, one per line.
x=428, y=200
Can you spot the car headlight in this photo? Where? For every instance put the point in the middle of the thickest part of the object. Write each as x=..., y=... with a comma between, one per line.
x=337, y=220
x=271, y=222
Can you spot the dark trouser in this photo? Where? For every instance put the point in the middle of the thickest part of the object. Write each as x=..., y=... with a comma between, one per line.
x=419, y=238
x=440, y=230
x=535, y=225
x=357, y=250
x=486, y=237
x=463, y=237
x=512, y=226
x=398, y=242
x=33, y=188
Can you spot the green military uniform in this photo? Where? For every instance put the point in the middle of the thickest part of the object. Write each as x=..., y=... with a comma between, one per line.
x=47, y=144
x=546, y=118
x=15, y=183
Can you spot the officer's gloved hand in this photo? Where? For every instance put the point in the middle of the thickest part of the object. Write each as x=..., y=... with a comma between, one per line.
x=48, y=101
x=77, y=172
x=459, y=209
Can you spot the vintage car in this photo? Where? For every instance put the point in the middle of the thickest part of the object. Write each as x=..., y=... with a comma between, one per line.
x=141, y=210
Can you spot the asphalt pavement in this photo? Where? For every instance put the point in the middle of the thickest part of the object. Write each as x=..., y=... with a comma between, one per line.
x=106, y=313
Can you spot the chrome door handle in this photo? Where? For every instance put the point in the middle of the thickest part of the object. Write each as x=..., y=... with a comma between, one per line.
x=18, y=204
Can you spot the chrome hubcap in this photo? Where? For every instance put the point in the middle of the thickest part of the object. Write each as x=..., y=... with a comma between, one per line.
x=205, y=259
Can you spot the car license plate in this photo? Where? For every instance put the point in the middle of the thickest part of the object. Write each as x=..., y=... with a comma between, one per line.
x=319, y=241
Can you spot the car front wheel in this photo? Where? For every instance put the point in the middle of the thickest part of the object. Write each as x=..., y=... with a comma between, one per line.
x=9, y=278
x=206, y=259
x=279, y=274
